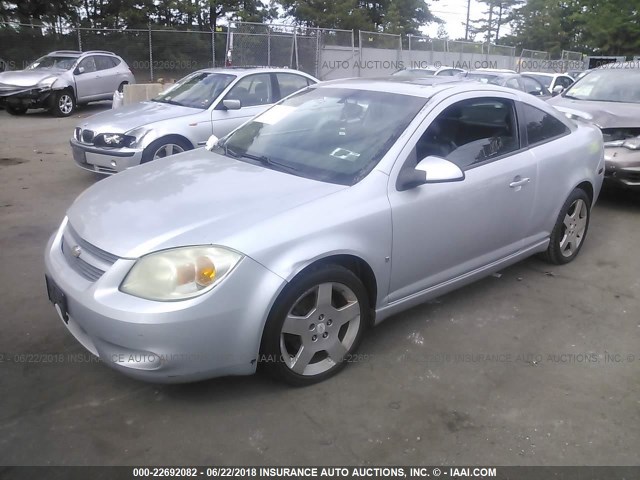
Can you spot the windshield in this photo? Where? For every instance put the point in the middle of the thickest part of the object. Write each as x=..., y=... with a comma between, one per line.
x=334, y=135
x=484, y=78
x=607, y=85
x=48, y=62
x=197, y=90
x=543, y=79
x=414, y=73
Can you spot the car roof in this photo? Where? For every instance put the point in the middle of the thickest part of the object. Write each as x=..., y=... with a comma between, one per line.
x=77, y=53
x=418, y=87
x=546, y=74
x=242, y=71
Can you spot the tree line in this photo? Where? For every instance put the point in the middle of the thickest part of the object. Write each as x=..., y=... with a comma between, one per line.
x=610, y=27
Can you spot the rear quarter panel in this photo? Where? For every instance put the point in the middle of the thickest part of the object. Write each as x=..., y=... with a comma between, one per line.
x=563, y=164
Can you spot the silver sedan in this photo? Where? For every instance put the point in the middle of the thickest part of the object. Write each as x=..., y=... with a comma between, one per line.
x=278, y=245
x=211, y=101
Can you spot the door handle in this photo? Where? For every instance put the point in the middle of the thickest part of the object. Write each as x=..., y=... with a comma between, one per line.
x=519, y=183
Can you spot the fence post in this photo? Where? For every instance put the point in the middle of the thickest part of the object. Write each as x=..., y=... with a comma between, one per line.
x=79, y=38
x=359, y=51
x=213, y=46
x=150, y=54
x=318, y=33
x=268, y=47
x=295, y=46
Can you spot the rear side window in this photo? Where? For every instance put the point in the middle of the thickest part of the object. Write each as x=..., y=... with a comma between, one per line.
x=104, y=63
x=542, y=127
x=290, y=83
x=532, y=86
x=564, y=81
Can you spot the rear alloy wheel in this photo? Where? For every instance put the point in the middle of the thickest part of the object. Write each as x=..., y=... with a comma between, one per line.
x=315, y=325
x=63, y=103
x=16, y=110
x=570, y=230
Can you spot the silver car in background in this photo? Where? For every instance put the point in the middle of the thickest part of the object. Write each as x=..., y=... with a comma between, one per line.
x=609, y=96
x=207, y=102
x=344, y=204
x=554, y=82
x=62, y=80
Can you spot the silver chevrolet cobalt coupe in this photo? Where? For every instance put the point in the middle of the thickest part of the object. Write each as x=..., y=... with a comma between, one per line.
x=279, y=244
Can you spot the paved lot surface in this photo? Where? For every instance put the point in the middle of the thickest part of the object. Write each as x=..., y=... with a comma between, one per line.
x=563, y=402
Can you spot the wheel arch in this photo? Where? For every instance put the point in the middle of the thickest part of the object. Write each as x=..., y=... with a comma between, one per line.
x=356, y=265
x=588, y=189
x=169, y=136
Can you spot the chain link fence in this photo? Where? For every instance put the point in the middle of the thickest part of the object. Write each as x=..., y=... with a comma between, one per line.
x=151, y=53
x=170, y=53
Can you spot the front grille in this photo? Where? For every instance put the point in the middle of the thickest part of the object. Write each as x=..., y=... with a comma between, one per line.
x=87, y=136
x=85, y=269
x=92, y=261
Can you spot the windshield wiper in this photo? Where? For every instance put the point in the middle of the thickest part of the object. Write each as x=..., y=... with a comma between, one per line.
x=170, y=102
x=270, y=162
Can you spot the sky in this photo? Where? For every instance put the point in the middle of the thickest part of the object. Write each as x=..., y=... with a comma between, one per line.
x=454, y=14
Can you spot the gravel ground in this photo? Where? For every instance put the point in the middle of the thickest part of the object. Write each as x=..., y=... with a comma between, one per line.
x=538, y=366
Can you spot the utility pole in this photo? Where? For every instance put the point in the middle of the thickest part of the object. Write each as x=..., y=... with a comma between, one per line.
x=466, y=27
x=490, y=24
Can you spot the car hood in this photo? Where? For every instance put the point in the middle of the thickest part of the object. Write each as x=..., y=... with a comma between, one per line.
x=121, y=120
x=605, y=114
x=28, y=78
x=194, y=198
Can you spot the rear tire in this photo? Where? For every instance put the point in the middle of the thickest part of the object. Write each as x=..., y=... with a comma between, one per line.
x=570, y=230
x=63, y=103
x=314, y=326
x=12, y=110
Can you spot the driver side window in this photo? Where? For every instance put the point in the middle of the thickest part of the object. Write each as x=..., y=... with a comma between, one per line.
x=470, y=132
x=89, y=65
x=252, y=90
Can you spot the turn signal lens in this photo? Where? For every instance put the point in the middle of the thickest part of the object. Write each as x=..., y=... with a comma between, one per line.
x=205, y=271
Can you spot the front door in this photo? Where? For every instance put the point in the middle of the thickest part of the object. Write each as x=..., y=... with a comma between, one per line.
x=443, y=231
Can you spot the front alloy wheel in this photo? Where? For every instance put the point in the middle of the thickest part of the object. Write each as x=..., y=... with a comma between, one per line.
x=63, y=104
x=315, y=325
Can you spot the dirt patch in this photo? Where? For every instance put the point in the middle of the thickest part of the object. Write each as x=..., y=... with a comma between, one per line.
x=8, y=161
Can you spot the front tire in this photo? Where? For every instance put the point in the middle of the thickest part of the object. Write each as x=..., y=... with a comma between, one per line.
x=164, y=147
x=317, y=322
x=570, y=230
x=63, y=103
x=16, y=110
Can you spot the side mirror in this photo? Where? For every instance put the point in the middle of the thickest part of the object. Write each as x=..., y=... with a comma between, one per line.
x=232, y=104
x=211, y=142
x=429, y=170
x=557, y=90
x=79, y=70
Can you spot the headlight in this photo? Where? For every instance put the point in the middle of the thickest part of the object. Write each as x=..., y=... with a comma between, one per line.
x=179, y=273
x=47, y=82
x=632, y=143
x=114, y=140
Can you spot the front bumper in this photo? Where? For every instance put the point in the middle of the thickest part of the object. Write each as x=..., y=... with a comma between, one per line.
x=32, y=97
x=104, y=160
x=213, y=335
x=622, y=167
